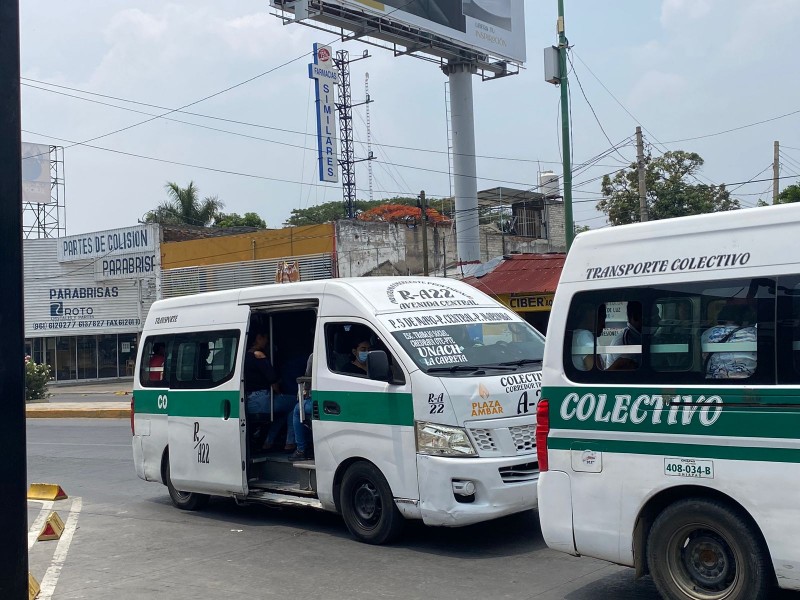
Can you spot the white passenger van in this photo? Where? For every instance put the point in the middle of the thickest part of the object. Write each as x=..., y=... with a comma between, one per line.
x=440, y=429
x=669, y=435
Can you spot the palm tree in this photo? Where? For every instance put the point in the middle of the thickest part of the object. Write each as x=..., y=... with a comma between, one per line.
x=184, y=207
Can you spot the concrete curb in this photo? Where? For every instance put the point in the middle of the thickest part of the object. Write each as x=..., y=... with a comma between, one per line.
x=75, y=410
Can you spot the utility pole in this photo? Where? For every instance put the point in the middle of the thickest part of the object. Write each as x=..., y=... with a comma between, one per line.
x=776, y=177
x=569, y=226
x=13, y=475
x=642, y=179
x=424, y=219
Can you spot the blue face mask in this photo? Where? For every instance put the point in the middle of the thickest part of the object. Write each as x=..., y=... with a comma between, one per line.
x=362, y=356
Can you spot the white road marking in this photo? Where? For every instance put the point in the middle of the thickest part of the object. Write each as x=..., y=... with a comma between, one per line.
x=48, y=584
x=38, y=522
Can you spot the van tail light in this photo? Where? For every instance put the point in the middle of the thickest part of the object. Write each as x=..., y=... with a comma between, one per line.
x=133, y=428
x=542, y=430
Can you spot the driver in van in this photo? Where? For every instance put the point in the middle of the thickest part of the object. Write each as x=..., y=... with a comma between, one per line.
x=358, y=366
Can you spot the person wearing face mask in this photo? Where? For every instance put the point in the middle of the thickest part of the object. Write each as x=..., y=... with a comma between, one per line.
x=358, y=366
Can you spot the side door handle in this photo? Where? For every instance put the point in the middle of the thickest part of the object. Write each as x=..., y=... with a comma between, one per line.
x=331, y=408
x=226, y=409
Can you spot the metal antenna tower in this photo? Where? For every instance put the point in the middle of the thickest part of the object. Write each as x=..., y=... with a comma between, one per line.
x=48, y=220
x=369, y=134
x=344, y=108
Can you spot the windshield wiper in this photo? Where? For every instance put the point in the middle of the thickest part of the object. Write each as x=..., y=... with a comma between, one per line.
x=470, y=368
x=524, y=361
x=455, y=368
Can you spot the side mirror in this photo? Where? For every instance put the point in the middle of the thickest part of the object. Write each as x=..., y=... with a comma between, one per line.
x=378, y=366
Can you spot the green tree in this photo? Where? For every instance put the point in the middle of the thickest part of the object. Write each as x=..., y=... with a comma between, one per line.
x=250, y=219
x=184, y=207
x=669, y=191
x=790, y=193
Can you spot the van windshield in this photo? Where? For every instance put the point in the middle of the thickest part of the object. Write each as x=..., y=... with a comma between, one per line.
x=467, y=349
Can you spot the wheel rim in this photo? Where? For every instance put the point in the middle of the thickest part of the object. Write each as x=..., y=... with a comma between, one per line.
x=367, y=504
x=703, y=564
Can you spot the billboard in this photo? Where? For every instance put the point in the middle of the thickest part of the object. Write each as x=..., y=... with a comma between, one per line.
x=493, y=27
x=36, y=173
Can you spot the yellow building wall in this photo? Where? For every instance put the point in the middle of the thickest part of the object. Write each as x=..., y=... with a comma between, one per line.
x=275, y=243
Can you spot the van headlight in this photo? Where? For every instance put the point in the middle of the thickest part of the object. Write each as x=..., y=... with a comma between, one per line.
x=443, y=440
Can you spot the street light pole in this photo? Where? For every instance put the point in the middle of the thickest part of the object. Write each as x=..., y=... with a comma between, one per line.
x=569, y=226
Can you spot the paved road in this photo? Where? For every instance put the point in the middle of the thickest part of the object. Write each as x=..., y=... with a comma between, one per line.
x=130, y=542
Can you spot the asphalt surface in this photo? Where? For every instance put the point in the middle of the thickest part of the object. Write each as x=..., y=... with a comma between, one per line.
x=127, y=541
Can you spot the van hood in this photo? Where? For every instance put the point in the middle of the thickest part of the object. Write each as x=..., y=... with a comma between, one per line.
x=495, y=397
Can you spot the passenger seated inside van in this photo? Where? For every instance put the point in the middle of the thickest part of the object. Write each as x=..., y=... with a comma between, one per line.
x=590, y=326
x=285, y=400
x=156, y=364
x=736, y=329
x=302, y=432
x=630, y=336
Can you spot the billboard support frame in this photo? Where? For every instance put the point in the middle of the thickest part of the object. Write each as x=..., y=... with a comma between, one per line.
x=48, y=220
x=414, y=41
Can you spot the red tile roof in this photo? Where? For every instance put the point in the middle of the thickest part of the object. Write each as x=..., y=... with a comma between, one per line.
x=521, y=273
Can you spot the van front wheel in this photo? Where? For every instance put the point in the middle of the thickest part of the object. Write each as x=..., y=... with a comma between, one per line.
x=183, y=500
x=368, y=505
x=704, y=550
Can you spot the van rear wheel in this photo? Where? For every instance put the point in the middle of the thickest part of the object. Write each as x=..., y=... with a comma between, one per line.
x=183, y=500
x=368, y=505
x=704, y=550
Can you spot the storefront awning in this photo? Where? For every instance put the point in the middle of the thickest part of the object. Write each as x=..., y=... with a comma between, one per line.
x=521, y=274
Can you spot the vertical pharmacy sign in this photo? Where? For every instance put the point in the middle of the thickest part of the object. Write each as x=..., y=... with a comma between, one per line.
x=326, y=78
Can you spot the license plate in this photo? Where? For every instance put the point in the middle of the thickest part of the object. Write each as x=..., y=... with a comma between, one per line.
x=689, y=467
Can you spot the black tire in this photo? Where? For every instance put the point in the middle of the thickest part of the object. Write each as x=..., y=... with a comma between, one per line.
x=368, y=505
x=183, y=500
x=706, y=550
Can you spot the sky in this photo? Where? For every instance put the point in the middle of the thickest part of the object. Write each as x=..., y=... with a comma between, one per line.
x=679, y=68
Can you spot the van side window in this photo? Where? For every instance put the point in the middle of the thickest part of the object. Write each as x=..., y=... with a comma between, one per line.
x=671, y=338
x=154, y=357
x=621, y=341
x=346, y=345
x=192, y=360
x=788, y=330
x=687, y=333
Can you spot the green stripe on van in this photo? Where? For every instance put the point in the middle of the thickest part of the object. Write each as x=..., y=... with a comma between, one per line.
x=379, y=408
x=720, y=411
x=187, y=403
x=750, y=453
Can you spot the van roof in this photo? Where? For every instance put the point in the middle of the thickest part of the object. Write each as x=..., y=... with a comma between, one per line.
x=383, y=294
x=718, y=242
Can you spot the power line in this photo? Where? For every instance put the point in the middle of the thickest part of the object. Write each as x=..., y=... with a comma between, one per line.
x=580, y=85
x=708, y=135
x=237, y=122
